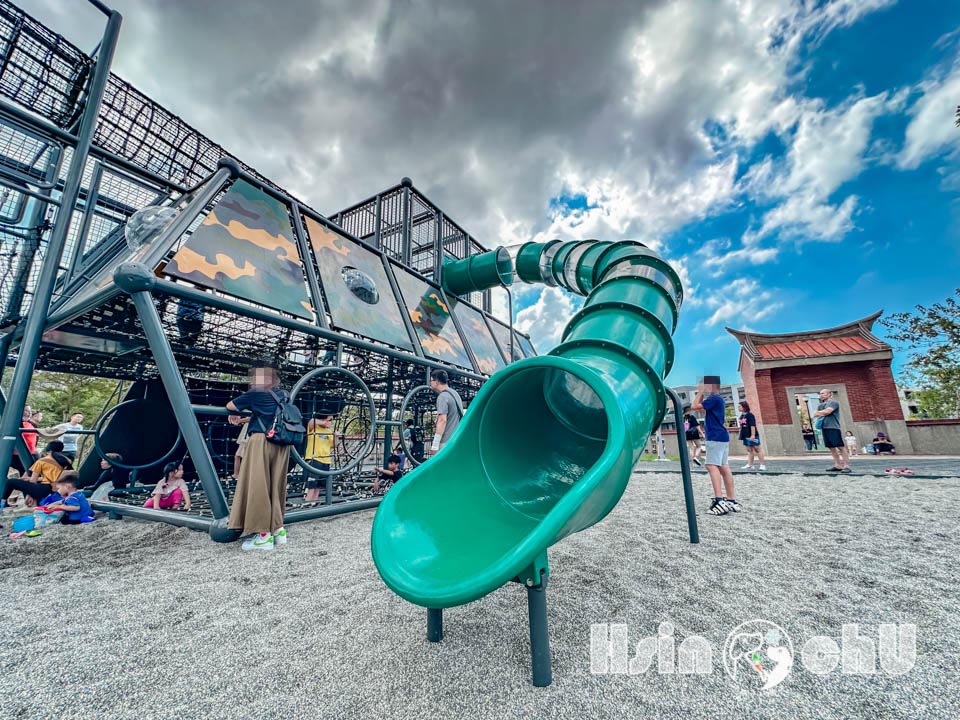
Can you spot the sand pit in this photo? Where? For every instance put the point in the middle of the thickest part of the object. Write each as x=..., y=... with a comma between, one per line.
x=159, y=622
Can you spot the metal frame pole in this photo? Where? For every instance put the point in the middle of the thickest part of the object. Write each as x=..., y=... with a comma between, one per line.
x=90, y=205
x=388, y=429
x=37, y=318
x=438, y=249
x=378, y=224
x=684, y=467
x=319, y=308
x=434, y=624
x=405, y=221
x=539, y=633
x=137, y=280
x=36, y=225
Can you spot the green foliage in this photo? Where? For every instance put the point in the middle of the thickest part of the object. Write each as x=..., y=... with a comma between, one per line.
x=937, y=403
x=58, y=396
x=932, y=337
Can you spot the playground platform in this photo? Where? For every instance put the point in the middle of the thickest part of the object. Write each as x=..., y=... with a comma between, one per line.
x=166, y=624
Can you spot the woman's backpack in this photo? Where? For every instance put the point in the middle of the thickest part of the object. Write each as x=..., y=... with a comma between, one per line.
x=287, y=428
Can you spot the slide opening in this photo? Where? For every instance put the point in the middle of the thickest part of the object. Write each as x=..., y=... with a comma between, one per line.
x=540, y=433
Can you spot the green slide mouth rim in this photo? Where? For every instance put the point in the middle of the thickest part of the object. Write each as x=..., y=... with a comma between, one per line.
x=546, y=532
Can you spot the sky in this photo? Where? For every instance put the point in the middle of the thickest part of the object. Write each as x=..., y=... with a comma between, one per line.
x=796, y=160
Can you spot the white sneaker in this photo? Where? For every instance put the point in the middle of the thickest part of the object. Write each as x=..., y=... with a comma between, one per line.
x=718, y=507
x=748, y=466
x=763, y=467
x=280, y=537
x=732, y=505
x=258, y=542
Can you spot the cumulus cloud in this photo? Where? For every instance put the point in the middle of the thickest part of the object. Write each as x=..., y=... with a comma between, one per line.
x=741, y=301
x=645, y=108
x=716, y=256
x=931, y=130
x=492, y=108
x=545, y=320
x=827, y=148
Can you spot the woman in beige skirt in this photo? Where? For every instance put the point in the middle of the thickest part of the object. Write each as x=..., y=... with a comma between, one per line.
x=261, y=495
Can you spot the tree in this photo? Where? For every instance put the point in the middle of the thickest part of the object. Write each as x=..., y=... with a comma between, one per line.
x=932, y=336
x=58, y=396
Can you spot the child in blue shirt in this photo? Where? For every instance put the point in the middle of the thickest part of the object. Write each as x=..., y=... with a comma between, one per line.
x=74, y=505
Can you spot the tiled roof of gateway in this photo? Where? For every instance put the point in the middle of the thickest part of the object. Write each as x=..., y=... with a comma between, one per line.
x=850, y=339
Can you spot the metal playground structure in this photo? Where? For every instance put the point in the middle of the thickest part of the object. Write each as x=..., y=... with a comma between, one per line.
x=132, y=247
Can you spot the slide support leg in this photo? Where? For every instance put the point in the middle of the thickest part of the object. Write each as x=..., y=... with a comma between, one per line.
x=434, y=624
x=539, y=634
x=685, y=467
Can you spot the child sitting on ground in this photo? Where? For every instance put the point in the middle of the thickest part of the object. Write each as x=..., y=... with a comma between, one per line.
x=171, y=492
x=392, y=472
x=76, y=509
x=43, y=514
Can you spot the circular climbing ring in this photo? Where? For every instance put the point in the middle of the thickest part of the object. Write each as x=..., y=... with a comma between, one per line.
x=103, y=419
x=403, y=411
x=371, y=436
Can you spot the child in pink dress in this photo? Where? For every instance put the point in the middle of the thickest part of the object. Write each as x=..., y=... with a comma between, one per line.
x=172, y=491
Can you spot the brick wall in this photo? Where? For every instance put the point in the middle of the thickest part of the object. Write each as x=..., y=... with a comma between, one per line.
x=871, y=390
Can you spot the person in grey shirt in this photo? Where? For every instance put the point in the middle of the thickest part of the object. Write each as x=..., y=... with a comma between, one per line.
x=67, y=432
x=449, y=409
x=828, y=418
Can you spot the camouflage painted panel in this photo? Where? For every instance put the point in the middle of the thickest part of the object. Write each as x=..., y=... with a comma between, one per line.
x=246, y=248
x=432, y=320
x=502, y=333
x=526, y=346
x=357, y=288
x=478, y=335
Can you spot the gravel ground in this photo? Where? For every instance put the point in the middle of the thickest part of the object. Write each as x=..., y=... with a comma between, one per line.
x=137, y=620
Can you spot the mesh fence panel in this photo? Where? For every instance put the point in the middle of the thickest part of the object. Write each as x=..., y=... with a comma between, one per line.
x=40, y=70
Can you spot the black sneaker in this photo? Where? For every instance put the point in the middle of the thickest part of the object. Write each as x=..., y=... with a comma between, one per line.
x=834, y=469
x=696, y=461
x=718, y=507
x=846, y=470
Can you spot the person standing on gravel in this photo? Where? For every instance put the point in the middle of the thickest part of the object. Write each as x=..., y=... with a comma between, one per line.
x=828, y=416
x=449, y=409
x=260, y=500
x=709, y=400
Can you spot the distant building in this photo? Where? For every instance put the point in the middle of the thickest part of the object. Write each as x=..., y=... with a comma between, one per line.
x=782, y=375
x=731, y=394
x=908, y=401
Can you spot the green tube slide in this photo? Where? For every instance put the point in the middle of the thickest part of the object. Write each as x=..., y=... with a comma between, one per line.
x=547, y=446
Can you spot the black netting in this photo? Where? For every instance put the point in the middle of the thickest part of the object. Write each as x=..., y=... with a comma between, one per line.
x=38, y=68
x=214, y=350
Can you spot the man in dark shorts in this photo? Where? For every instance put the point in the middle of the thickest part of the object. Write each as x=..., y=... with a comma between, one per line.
x=829, y=410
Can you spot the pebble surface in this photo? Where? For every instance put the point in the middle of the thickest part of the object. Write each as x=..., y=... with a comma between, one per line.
x=129, y=619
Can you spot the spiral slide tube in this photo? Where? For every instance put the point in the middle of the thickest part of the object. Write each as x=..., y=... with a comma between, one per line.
x=548, y=445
